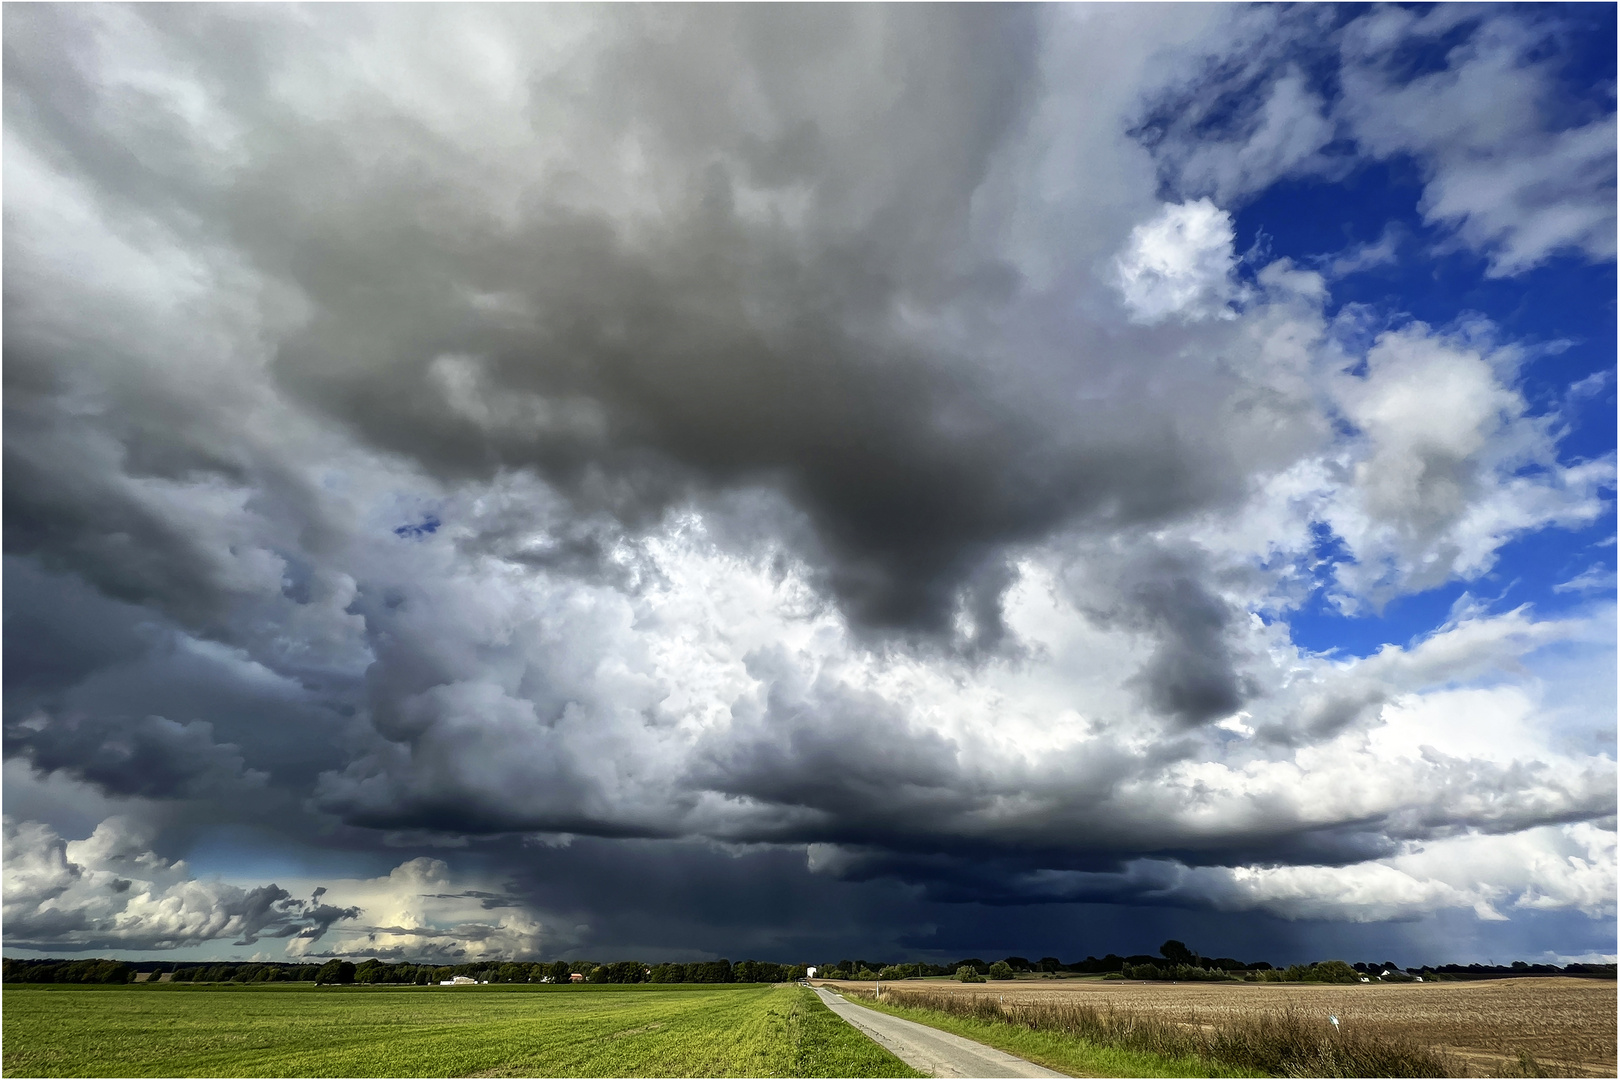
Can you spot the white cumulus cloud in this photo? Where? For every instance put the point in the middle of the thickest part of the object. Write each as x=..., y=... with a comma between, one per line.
x=1179, y=265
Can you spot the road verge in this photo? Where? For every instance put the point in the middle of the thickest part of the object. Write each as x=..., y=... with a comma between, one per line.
x=1053, y=1050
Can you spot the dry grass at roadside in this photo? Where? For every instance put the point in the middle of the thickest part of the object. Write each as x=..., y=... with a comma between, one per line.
x=1291, y=1042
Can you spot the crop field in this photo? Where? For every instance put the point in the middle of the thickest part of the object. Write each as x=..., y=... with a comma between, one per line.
x=1566, y=1025
x=303, y=1030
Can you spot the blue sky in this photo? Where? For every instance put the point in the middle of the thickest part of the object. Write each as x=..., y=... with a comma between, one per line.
x=1565, y=306
x=900, y=482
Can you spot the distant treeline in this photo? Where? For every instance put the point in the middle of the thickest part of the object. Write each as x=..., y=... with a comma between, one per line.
x=67, y=971
x=1337, y=971
x=1175, y=962
x=377, y=972
x=1018, y=965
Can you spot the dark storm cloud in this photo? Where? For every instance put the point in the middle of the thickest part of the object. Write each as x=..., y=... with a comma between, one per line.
x=687, y=900
x=1194, y=675
x=690, y=901
x=851, y=758
x=488, y=900
x=718, y=350
x=153, y=756
x=59, y=631
x=913, y=478
x=118, y=695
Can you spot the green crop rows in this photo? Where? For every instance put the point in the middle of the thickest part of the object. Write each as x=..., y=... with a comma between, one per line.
x=303, y=1030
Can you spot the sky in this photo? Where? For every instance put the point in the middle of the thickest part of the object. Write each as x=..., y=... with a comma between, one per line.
x=807, y=482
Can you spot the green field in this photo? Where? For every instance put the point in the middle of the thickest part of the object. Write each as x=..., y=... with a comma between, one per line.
x=303, y=1030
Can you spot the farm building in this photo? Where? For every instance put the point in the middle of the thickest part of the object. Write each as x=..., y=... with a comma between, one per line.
x=459, y=980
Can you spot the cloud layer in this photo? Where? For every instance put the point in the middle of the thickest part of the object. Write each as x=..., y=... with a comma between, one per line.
x=853, y=434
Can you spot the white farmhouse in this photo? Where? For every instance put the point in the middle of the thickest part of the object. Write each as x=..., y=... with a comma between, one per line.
x=459, y=980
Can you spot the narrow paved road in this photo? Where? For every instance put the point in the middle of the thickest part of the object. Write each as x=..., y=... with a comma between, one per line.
x=929, y=1050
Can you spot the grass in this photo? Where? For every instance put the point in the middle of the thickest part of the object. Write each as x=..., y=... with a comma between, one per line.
x=302, y=1030
x=1054, y=1049
x=1079, y=1036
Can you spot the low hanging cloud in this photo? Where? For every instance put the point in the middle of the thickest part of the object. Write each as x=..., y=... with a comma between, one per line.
x=109, y=891
x=551, y=423
x=410, y=915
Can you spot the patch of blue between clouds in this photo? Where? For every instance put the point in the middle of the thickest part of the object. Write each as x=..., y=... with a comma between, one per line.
x=244, y=854
x=1319, y=626
x=1543, y=569
x=426, y=527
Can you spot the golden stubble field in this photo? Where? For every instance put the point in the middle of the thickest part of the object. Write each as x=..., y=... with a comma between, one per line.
x=1567, y=1023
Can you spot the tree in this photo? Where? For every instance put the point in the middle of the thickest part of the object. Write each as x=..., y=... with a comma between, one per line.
x=966, y=974
x=619, y=971
x=372, y=971
x=1334, y=971
x=335, y=971
x=1000, y=970
x=711, y=971
x=1177, y=953
x=1050, y=963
